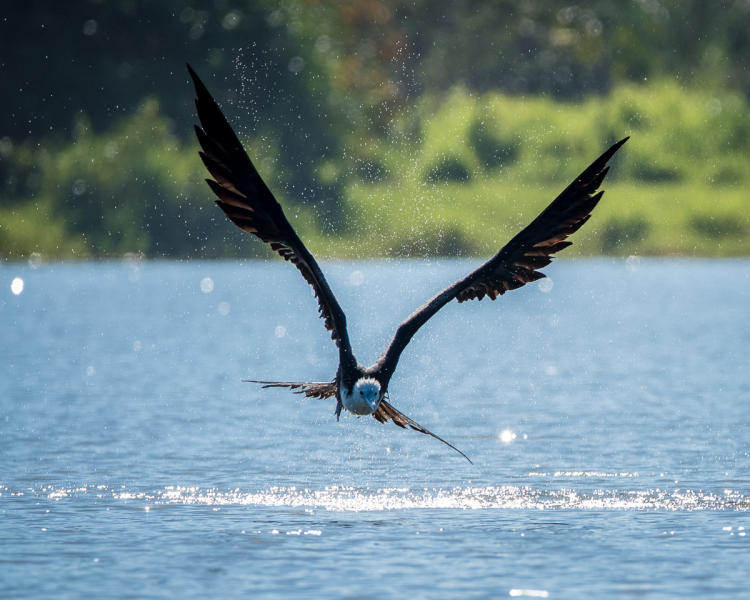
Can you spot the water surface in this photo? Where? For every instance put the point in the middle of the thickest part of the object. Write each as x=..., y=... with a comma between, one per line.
x=605, y=409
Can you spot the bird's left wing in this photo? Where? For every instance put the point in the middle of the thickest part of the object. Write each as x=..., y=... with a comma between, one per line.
x=518, y=262
x=386, y=412
x=249, y=204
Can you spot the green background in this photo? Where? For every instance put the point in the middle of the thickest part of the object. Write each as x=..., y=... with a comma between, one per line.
x=385, y=127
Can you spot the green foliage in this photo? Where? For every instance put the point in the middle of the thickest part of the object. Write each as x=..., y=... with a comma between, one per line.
x=135, y=188
x=334, y=85
x=493, y=149
x=427, y=186
x=679, y=135
x=717, y=226
x=664, y=219
x=680, y=185
x=621, y=234
x=447, y=168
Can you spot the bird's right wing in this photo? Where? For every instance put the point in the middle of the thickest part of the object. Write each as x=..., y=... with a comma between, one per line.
x=249, y=204
x=311, y=389
x=518, y=262
x=387, y=412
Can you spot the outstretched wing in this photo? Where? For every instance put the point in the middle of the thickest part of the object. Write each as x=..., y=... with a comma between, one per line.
x=249, y=204
x=311, y=389
x=518, y=262
x=386, y=412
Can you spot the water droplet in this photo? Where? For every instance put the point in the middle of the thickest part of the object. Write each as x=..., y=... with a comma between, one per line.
x=713, y=106
x=633, y=263
x=90, y=27
x=323, y=43
x=231, y=20
x=79, y=187
x=296, y=64
x=207, y=285
x=545, y=285
x=35, y=260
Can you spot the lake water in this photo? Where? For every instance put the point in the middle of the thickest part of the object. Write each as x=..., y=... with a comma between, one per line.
x=607, y=412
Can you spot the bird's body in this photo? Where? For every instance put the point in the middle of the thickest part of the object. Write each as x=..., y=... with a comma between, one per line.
x=360, y=390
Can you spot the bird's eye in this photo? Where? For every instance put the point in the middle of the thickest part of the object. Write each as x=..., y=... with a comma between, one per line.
x=361, y=393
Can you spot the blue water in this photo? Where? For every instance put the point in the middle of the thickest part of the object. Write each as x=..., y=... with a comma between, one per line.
x=607, y=412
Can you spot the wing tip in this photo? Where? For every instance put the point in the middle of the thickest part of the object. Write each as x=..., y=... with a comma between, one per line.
x=614, y=148
x=196, y=80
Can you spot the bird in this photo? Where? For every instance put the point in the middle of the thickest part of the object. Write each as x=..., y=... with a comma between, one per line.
x=363, y=390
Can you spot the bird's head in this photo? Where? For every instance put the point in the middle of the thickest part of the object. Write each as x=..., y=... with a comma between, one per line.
x=367, y=390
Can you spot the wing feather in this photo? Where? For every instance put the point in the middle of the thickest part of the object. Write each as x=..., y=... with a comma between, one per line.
x=518, y=262
x=311, y=389
x=246, y=200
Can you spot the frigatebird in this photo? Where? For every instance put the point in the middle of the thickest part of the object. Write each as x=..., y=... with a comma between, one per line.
x=248, y=203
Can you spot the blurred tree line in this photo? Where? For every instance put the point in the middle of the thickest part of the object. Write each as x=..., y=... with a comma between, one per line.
x=95, y=136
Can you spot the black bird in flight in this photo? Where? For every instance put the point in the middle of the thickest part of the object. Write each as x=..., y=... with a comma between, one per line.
x=249, y=204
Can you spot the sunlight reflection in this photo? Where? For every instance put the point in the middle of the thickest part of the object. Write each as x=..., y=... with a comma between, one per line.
x=351, y=499
x=579, y=474
x=16, y=286
x=529, y=593
x=507, y=436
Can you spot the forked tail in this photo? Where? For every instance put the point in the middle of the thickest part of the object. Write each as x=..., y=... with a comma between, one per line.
x=388, y=412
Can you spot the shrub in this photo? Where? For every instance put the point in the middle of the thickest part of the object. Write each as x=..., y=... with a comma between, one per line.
x=618, y=232
x=716, y=226
x=448, y=169
x=492, y=149
x=445, y=240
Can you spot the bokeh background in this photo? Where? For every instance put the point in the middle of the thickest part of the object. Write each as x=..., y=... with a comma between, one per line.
x=385, y=127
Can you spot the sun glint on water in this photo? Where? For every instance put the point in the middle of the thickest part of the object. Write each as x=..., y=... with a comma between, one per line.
x=16, y=286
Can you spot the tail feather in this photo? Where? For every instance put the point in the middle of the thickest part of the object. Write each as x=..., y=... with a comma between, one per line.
x=387, y=412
